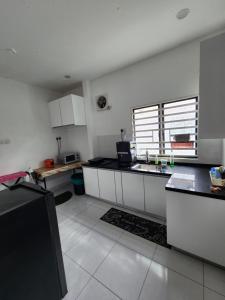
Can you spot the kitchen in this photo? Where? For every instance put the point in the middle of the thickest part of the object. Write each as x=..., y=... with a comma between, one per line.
x=169, y=104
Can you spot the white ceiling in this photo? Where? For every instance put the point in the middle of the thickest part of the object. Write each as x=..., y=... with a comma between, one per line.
x=88, y=38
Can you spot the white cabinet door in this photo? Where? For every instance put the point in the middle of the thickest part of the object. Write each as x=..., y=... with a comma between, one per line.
x=196, y=225
x=55, y=114
x=107, y=188
x=91, y=181
x=155, y=195
x=67, y=111
x=79, y=110
x=133, y=190
x=119, y=190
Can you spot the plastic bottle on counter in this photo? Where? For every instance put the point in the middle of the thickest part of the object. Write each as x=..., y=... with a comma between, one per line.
x=171, y=160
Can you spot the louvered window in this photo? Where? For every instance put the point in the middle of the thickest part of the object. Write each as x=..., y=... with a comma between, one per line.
x=167, y=128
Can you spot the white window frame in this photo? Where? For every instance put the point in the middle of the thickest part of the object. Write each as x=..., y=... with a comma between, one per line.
x=162, y=130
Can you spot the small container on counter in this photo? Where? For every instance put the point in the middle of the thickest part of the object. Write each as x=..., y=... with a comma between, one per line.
x=163, y=162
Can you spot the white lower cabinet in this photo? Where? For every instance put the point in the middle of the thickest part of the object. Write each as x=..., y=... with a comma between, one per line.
x=155, y=195
x=133, y=190
x=138, y=191
x=91, y=181
x=119, y=189
x=196, y=225
x=107, y=187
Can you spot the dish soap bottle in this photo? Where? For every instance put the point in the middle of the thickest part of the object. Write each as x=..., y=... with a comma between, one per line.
x=172, y=160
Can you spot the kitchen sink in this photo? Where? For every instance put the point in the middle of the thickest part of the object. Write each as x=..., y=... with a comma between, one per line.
x=151, y=168
x=144, y=167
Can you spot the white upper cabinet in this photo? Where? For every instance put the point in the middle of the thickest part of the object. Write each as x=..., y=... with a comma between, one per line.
x=68, y=110
x=155, y=195
x=79, y=111
x=55, y=113
x=133, y=190
x=212, y=88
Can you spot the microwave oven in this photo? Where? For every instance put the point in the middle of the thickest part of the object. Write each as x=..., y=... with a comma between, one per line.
x=69, y=157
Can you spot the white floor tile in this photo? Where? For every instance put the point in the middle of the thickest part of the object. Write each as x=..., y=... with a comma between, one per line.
x=164, y=284
x=91, y=250
x=84, y=199
x=74, y=206
x=101, y=203
x=76, y=278
x=179, y=262
x=70, y=240
x=90, y=216
x=210, y=295
x=86, y=220
x=138, y=244
x=123, y=272
x=119, y=268
x=69, y=227
x=96, y=291
x=214, y=278
x=61, y=218
x=94, y=212
x=108, y=230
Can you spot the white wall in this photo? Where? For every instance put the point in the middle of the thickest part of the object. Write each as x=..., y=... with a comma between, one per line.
x=78, y=140
x=168, y=76
x=77, y=136
x=24, y=119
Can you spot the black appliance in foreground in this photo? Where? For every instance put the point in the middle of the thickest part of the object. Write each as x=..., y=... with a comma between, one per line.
x=31, y=264
x=124, y=153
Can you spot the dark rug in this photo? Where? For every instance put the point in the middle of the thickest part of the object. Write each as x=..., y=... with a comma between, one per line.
x=62, y=198
x=144, y=228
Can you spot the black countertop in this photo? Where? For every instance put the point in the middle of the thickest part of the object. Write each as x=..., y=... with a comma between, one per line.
x=112, y=164
x=184, y=178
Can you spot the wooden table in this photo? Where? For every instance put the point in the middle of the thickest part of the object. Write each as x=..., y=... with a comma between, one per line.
x=42, y=173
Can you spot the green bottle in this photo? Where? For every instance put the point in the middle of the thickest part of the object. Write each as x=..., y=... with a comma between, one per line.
x=171, y=160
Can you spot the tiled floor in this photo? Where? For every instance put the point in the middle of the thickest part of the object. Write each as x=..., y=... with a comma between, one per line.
x=107, y=263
